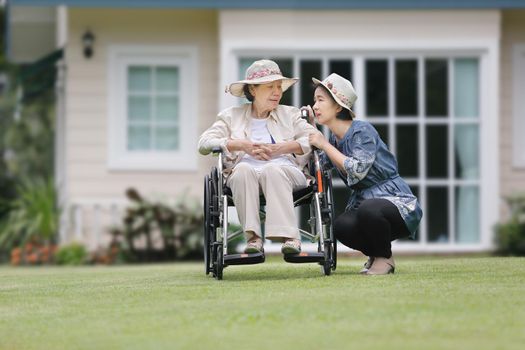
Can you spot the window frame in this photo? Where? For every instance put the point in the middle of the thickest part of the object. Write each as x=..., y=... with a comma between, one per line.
x=120, y=57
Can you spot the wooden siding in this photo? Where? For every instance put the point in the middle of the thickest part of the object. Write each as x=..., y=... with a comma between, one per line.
x=87, y=175
x=513, y=32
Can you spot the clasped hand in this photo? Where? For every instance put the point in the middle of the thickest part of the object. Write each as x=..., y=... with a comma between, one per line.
x=263, y=151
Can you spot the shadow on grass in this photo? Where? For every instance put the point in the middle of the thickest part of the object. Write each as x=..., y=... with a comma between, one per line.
x=276, y=271
x=265, y=278
x=272, y=270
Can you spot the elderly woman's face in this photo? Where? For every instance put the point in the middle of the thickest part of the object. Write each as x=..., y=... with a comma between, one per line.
x=267, y=96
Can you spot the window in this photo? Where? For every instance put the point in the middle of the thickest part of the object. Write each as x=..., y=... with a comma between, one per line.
x=430, y=117
x=427, y=111
x=153, y=108
x=152, y=117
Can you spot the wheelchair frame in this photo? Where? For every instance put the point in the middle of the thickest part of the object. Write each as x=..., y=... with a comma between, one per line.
x=318, y=195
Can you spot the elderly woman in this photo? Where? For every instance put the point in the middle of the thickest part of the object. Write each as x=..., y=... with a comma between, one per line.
x=262, y=143
x=381, y=207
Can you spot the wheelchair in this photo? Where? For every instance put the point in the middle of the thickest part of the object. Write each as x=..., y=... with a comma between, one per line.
x=318, y=196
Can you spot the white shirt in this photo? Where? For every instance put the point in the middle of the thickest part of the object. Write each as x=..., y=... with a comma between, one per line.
x=260, y=134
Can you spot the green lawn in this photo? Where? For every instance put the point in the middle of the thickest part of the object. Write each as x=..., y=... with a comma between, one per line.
x=430, y=303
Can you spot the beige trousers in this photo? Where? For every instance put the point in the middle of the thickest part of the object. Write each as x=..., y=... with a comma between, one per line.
x=277, y=183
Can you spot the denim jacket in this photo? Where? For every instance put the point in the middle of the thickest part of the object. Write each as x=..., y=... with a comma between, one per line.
x=371, y=172
x=284, y=124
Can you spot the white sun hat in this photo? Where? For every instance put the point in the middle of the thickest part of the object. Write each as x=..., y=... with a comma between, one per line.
x=260, y=72
x=340, y=88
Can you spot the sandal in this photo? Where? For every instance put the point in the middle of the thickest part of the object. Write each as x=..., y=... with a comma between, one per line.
x=254, y=246
x=291, y=246
x=382, y=266
x=367, y=265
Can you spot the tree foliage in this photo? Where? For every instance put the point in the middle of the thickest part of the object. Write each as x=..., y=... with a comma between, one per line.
x=26, y=138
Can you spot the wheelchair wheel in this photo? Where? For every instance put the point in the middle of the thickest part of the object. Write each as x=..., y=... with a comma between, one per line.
x=329, y=203
x=207, y=224
x=219, y=264
x=334, y=256
x=328, y=258
x=211, y=219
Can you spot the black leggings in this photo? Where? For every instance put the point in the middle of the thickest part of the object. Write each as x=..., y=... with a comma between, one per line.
x=371, y=227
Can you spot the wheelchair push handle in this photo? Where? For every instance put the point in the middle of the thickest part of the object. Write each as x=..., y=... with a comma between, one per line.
x=317, y=164
x=305, y=114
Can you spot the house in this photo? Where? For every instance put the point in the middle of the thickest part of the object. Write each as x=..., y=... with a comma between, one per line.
x=140, y=80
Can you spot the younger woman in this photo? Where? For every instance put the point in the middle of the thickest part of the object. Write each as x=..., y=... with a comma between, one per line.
x=381, y=207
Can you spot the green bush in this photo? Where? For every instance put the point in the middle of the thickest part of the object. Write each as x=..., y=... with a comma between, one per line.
x=71, y=254
x=32, y=216
x=510, y=236
x=233, y=243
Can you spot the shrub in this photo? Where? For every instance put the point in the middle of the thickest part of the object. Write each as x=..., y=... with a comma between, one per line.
x=112, y=254
x=510, y=236
x=71, y=254
x=32, y=216
x=178, y=227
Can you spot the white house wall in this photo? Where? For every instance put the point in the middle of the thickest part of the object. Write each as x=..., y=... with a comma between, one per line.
x=89, y=183
x=512, y=176
x=32, y=33
x=87, y=89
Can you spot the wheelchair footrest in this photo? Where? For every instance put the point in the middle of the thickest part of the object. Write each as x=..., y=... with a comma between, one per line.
x=304, y=257
x=244, y=259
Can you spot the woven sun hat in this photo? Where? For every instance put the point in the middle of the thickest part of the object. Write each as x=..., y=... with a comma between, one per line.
x=260, y=72
x=340, y=88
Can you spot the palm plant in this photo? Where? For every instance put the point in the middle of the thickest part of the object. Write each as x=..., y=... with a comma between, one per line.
x=32, y=215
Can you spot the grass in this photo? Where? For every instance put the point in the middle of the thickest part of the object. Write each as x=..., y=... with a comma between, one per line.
x=430, y=303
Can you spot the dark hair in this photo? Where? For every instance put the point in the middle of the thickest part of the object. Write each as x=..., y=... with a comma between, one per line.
x=247, y=93
x=344, y=114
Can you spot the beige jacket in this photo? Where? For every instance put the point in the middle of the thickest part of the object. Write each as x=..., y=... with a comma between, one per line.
x=285, y=124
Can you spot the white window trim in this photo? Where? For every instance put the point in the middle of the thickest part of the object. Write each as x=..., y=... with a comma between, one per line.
x=184, y=57
x=488, y=71
x=518, y=106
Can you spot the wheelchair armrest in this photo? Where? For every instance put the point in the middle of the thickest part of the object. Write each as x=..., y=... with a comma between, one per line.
x=216, y=150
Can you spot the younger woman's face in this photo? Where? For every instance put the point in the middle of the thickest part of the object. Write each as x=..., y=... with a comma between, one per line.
x=325, y=108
